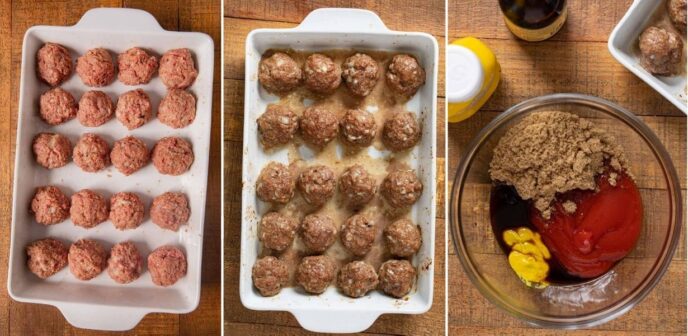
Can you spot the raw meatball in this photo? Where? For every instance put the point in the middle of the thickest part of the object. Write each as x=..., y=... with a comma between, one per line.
x=270, y=275
x=91, y=153
x=124, y=265
x=319, y=232
x=87, y=259
x=275, y=184
x=57, y=106
x=677, y=13
x=170, y=210
x=277, y=231
x=358, y=234
x=279, y=73
x=322, y=75
x=50, y=205
x=402, y=238
x=95, y=109
x=401, y=132
x=177, y=69
x=88, y=209
x=52, y=150
x=134, y=109
x=126, y=210
x=360, y=73
x=315, y=273
x=357, y=278
x=46, y=257
x=96, y=68
x=317, y=184
x=136, y=66
x=356, y=186
x=357, y=128
x=277, y=126
x=397, y=277
x=54, y=64
x=167, y=264
x=401, y=188
x=660, y=51
x=177, y=109
x=405, y=75
x=319, y=126
x=172, y=156
x=129, y=154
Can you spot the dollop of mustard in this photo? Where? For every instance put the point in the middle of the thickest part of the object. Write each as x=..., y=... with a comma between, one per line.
x=528, y=256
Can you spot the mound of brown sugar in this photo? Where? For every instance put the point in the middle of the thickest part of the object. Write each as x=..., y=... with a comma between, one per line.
x=553, y=152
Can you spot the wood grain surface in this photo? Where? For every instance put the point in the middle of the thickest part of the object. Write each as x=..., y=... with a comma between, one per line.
x=15, y=18
x=574, y=60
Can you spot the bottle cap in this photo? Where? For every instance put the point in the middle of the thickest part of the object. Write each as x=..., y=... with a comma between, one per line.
x=464, y=74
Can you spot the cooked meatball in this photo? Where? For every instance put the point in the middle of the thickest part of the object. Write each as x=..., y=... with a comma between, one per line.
x=677, y=13
x=270, y=275
x=91, y=153
x=401, y=188
x=52, y=150
x=172, y=156
x=124, y=265
x=356, y=186
x=277, y=126
x=54, y=64
x=136, y=66
x=357, y=128
x=660, y=51
x=177, y=69
x=275, y=184
x=46, y=257
x=96, y=68
x=88, y=209
x=129, y=154
x=401, y=132
x=405, y=75
x=95, y=109
x=317, y=184
x=87, y=259
x=57, y=106
x=358, y=234
x=279, y=73
x=402, y=238
x=170, y=210
x=360, y=73
x=318, y=126
x=126, y=210
x=397, y=277
x=177, y=109
x=277, y=231
x=357, y=278
x=315, y=273
x=322, y=75
x=167, y=264
x=319, y=232
x=50, y=205
x=134, y=109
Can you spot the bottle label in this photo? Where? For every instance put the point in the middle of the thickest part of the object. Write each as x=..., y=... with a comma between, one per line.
x=541, y=34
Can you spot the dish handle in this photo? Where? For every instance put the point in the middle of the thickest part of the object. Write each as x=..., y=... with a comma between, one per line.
x=101, y=317
x=349, y=20
x=327, y=321
x=118, y=19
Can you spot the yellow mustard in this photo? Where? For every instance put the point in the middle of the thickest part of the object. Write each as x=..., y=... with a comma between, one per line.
x=528, y=256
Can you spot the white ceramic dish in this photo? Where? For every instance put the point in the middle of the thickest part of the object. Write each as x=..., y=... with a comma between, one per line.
x=339, y=29
x=623, y=45
x=101, y=303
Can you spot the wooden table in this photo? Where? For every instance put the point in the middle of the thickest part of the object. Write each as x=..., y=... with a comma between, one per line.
x=574, y=60
x=242, y=17
x=15, y=18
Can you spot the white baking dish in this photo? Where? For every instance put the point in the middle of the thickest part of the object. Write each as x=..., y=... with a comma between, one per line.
x=623, y=45
x=339, y=29
x=101, y=303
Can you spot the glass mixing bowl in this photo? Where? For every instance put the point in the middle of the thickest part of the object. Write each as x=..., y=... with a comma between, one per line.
x=601, y=299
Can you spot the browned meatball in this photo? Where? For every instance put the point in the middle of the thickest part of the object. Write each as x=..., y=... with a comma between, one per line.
x=129, y=154
x=322, y=75
x=54, y=64
x=177, y=109
x=318, y=126
x=170, y=210
x=317, y=184
x=91, y=153
x=270, y=275
x=87, y=259
x=319, y=232
x=173, y=156
x=275, y=184
x=401, y=188
x=279, y=73
x=167, y=264
x=134, y=109
x=677, y=13
x=52, y=150
x=96, y=68
x=357, y=128
x=88, y=209
x=177, y=69
x=356, y=186
x=50, y=205
x=46, y=257
x=136, y=66
x=277, y=231
x=360, y=73
x=315, y=273
x=660, y=51
x=402, y=238
x=357, y=278
x=405, y=75
x=57, y=106
x=358, y=234
x=397, y=277
x=95, y=109
x=401, y=131
x=277, y=126
x=124, y=265
x=126, y=210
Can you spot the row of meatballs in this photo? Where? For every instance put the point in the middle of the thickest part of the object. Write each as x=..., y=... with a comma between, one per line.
x=661, y=50
x=125, y=210
x=87, y=259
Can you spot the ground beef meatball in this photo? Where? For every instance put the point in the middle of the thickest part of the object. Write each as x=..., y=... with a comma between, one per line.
x=136, y=66
x=277, y=231
x=401, y=132
x=57, y=106
x=87, y=259
x=360, y=73
x=134, y=109
x=401, y=188
x=315, y=273
x=270, y=275
x=277, y=126
x=50, y=205
x=279, y=73
x=95, y=109
x=402, y=238
x=405, y=75
x=170, y=210
x=126, y=210
x=357, y=128
x=397, y=277
x=177, y=109
x=46, y=257
x=88, y=209
x=356, y=186
x=124, y=265
x=54, y=64
x=677, y=13
x=275, y=184
x=172, y=156
x=319, y=232
x=129, y=154
x=167, y=264
x=96, y=68
x=177, y=69
x=357, y=278
x=322, y=75
x=52, y=150
x=660, y=51
x=91, y=153
x=358, y=234
x=318, y=126
x=317, y=184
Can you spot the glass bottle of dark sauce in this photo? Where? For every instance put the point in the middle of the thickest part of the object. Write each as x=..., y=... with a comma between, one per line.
x=534, y=20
